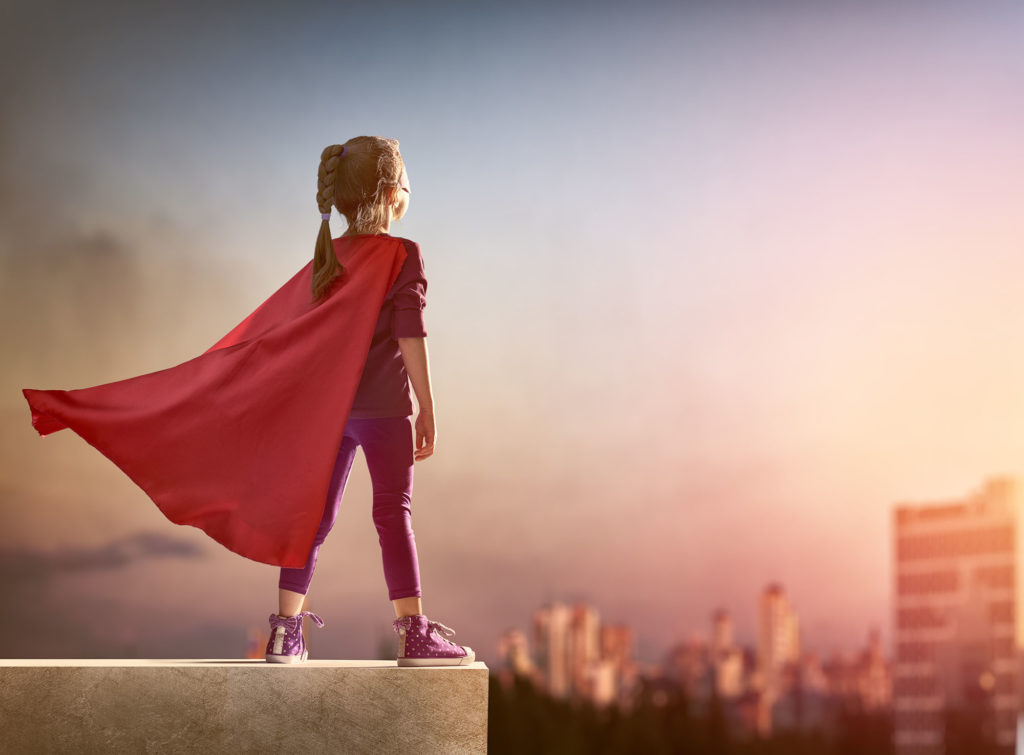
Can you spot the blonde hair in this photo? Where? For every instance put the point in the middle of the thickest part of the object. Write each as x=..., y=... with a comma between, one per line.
x=355, y=177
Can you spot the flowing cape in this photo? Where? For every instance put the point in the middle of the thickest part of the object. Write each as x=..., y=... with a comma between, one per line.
x=241, y=440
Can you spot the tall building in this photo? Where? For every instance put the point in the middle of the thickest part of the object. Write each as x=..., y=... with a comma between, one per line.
x=579, y=658
x=874, y=677
x=689, y=664
x=617, y=649
x=514, y=651
x=778, y=637
x=721, y=630
x=727, y=658
x=584, y=648
x=551, y=628
x=957, y=628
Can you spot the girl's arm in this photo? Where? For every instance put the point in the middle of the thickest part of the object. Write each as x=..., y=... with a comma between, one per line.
x=414, y=354
x=417, y=365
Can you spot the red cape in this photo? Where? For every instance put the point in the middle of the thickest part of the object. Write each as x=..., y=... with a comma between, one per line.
x=241, y=441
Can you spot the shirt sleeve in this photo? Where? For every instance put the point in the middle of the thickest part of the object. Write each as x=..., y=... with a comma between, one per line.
x=410, y=296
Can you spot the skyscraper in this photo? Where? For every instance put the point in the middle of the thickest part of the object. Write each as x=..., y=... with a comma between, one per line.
x=551, y=629
x=571, y=645
x=778, y=636
x=957, y=627
x=778, y=652
x=727, y=658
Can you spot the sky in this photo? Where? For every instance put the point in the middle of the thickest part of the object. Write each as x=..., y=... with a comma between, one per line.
x=712, y=288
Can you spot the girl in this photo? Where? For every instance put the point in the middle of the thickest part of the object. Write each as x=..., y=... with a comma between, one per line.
x=252, y=441
x=365, y=179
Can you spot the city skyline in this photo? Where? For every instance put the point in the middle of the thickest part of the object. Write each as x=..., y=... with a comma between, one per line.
x=772, y=686
x=952, y=685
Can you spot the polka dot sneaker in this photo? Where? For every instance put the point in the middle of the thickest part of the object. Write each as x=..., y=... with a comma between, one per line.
x=425, y=643
x=286, y=643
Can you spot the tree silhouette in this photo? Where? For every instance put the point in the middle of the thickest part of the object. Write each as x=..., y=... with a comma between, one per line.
x=661, y=721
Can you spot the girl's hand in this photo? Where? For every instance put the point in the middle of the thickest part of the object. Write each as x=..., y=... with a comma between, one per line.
x=425, y=435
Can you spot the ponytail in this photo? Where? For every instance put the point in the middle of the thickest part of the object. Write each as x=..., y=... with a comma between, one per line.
x=325, y=262
x=356, y=177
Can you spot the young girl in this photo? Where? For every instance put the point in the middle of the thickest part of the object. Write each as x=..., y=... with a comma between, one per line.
x=252, y=441
x=365, y=179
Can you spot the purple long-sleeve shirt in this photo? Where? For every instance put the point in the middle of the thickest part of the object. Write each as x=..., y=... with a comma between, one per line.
x=384, y=389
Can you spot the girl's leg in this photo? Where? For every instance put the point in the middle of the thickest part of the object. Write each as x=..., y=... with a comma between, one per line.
x=293, y=584
x=388, y=446
x=289, y=602
x=408, y=606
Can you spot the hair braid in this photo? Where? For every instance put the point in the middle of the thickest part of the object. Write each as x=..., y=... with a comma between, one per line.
x=329, y=160
x=325, y=263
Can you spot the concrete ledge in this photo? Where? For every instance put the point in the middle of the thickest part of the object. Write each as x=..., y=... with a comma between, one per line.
x=234, y=706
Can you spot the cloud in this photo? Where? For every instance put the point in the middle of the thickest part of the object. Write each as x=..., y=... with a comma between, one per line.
x=72, y=298
x=24, y=564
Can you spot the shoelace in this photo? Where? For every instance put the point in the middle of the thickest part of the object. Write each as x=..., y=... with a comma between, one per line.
x=293, y=621
x=438, y=626
x=314, y=617
x=293, y=640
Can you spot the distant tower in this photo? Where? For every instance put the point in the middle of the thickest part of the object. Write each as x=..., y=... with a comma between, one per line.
x=778, y=637
x=617, y=643
x=514, y=651
x=721, y=631
x=957, y=631
x=551, y=638
x=874, y=675
x=726, y=658
x=584, y=649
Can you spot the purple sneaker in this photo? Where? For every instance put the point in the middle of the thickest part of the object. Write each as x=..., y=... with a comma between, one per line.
x=420, y=643
x=286, y=643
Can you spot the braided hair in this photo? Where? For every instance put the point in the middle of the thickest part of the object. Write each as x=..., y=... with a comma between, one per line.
x=358, y=177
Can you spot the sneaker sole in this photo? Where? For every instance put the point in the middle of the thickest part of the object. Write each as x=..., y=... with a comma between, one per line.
x=462, y=660
x=271, y=658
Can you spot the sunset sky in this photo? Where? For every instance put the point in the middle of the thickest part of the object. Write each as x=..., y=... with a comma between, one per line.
x=712, y=287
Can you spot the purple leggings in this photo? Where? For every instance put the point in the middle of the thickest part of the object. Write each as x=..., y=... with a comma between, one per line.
x=388, y=447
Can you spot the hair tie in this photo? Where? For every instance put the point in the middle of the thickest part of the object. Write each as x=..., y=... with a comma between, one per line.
x=340, y=154
x=325, y=215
